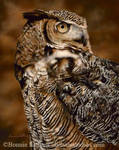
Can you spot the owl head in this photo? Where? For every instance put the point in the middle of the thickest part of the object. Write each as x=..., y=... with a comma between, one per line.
x=47, y=30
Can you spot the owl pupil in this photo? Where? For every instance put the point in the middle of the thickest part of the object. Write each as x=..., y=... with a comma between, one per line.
x=62, y=26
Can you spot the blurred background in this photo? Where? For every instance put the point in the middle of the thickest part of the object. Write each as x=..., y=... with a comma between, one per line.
x=103, y=26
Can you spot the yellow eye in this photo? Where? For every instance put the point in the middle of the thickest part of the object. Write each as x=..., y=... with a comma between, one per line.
x=63, y=27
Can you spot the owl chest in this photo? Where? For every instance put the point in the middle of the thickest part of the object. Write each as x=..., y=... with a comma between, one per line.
x=34, y=114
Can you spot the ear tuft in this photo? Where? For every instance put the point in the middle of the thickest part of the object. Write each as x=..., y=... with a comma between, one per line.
x=36, y=15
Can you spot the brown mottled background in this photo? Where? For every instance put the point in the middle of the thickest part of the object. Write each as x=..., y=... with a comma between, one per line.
x=103, y=26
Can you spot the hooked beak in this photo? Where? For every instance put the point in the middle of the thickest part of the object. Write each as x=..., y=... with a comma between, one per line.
x=82, y=39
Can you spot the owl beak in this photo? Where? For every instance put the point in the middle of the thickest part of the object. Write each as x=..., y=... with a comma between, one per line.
x=82, y=39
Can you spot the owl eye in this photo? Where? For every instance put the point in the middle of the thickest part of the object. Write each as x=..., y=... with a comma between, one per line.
x=63, y=27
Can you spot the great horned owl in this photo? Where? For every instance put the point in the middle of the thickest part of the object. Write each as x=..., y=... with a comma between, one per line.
x=71, y=97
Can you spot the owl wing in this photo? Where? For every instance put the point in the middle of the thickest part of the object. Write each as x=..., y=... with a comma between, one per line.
x=91, y=95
